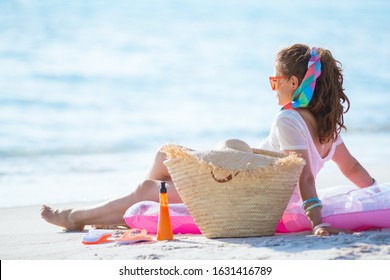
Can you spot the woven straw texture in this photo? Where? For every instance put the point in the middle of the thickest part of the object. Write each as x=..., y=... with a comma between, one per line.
x=234, y=203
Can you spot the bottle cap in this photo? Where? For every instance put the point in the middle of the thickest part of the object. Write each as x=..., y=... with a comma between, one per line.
x=163, y=188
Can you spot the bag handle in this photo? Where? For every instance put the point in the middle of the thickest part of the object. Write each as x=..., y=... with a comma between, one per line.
x=224, y=180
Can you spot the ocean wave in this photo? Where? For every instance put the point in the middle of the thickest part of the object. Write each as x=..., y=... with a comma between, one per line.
x=35, y=151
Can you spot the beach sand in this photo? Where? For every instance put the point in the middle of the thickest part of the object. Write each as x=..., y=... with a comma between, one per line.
x=25, y=236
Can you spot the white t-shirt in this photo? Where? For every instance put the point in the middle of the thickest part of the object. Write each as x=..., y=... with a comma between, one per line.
x=290, y=132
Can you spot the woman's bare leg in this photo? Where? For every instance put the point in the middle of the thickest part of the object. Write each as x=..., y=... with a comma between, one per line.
x=158, y=170
x=111, y=212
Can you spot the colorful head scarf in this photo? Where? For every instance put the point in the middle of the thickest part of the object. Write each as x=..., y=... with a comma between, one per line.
x=302, y=96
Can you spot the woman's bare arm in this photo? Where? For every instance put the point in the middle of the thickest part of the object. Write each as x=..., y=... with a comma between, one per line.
x=351, y=168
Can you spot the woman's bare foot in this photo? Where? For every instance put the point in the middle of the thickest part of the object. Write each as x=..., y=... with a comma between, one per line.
x=60, y=217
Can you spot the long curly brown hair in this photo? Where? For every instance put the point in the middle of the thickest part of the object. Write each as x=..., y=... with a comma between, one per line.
x=327, y=103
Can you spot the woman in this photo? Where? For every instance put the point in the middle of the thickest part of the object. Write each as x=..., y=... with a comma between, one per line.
x=309, y=87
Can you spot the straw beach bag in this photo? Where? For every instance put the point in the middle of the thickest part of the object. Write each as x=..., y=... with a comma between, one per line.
x=234, y=190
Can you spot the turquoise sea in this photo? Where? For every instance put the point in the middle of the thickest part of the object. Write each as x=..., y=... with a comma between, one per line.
x=90, y=89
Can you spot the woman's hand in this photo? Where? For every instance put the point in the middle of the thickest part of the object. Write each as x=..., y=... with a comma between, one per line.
x=328, y=230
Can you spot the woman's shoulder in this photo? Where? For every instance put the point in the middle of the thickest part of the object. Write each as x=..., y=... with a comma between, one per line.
x=288, y=117
x=287, y=114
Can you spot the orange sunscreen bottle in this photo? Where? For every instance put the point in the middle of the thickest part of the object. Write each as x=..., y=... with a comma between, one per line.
x=164, y=228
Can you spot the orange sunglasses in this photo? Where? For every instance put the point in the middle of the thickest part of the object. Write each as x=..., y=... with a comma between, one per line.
x=274, y=81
